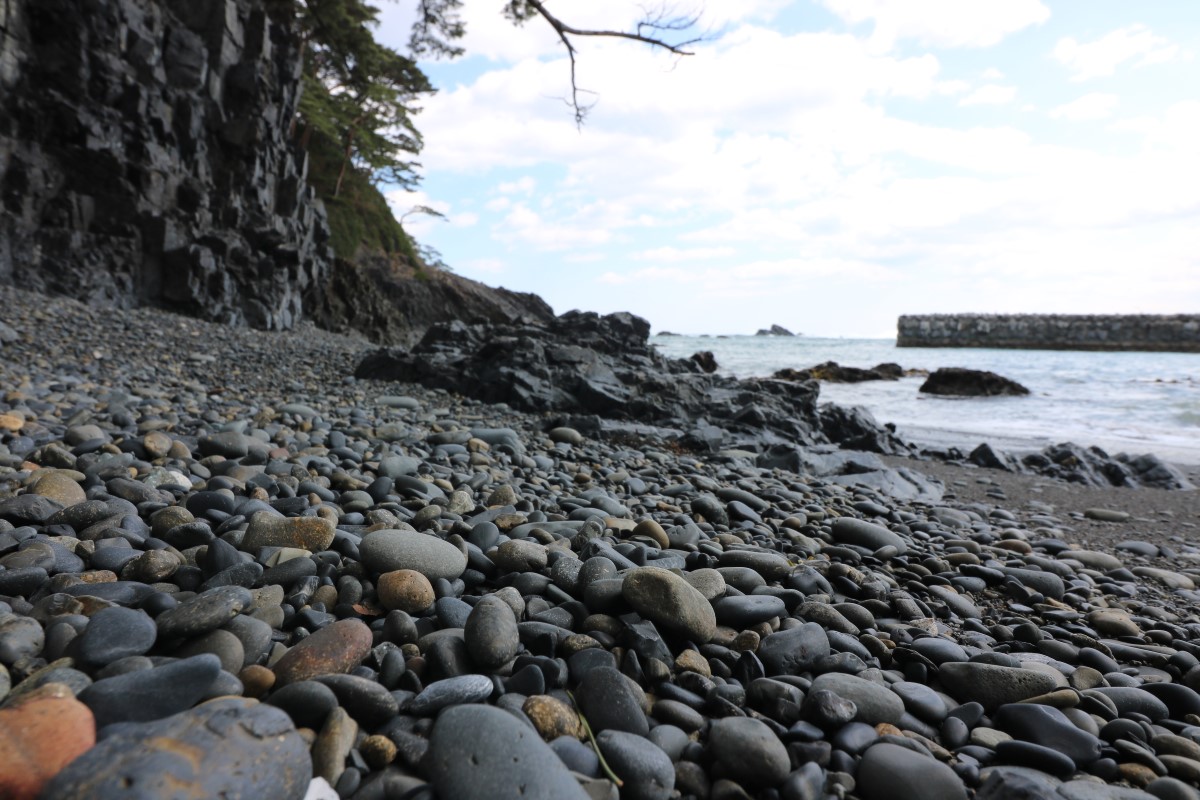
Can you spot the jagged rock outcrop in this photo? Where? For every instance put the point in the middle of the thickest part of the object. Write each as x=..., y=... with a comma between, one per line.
x=774, y=330
x=1087, y=466
x=584, y=364
x=389, y=308
x=960, y=382
x=147, y=157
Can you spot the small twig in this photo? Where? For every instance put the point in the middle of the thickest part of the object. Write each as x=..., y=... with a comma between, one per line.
x=612, y=776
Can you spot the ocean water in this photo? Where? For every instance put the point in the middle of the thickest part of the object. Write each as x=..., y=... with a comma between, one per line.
x=1121, y=402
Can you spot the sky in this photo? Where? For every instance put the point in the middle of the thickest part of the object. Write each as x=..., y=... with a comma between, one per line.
x=824, y=165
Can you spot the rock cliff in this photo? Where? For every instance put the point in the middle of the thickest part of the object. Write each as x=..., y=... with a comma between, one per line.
x=147, y=157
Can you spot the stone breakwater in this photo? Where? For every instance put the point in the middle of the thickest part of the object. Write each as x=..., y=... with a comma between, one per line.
x=1147, y=332
x=253, y=576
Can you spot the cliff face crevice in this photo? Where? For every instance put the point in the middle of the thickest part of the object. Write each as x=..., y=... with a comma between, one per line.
x=147, y=157
x=1144, y=332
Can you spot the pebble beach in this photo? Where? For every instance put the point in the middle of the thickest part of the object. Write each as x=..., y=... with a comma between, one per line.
x=229, y=568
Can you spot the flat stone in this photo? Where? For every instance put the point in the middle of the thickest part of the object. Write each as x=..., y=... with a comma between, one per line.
x=389, y=549
x=457, y=691
x=482, y=751
x=228, y=747
x=1050, y=728
x=336, y=648
x=115, y=633
x=1172, y=580
x=270, y=530
x=1107, y=515
x=206, y=611
x=891, y=772
x=152, y=694
x=670, y=602
x=851, y=530
x=875, y=703
x=993, y=685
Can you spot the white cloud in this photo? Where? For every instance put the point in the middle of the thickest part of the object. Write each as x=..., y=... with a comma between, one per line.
x=990, y=95
x=1093, y=106
x=523, y=185
x=1102, y=56
x=677, y=254
x=941, y=23
x=992, y=74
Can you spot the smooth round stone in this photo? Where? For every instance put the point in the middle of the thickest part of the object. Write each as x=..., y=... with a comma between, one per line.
x=851, y=530
x=652, y=530
x=890, y=772
x=521, y=555
x=308, y=703
x=450, y=692
x=483, y=751
x=20, y=638
x=152, y=694
x=1113, y=622
x=647, y=772
x=1047, y=583
x=206, y=611
x=772, y=566
x=368, y=702
x=405, y=589
x=875, y=703
x=336, y=648
x=992, y=685
x=388, y=550
x=230, y=444
x=1107, y=515
x=229, y=747
x=1092, y=559
x=921, y=701
x=222, y=644
x=1132, y=699
x=748, y=751
x=1179, y=699
x=1050, y=728
x=939, y=650
x=608, y=702
x=1036, y=756
x=745, y=611
x=670, y=602
x=57, y=486
x=1169, y=578
x=114, y=633
x=707, y=582
x=270, y=530
x=491, y=633
x=795, y=650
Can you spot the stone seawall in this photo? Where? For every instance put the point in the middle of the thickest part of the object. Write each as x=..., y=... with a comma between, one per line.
x=1146, y=332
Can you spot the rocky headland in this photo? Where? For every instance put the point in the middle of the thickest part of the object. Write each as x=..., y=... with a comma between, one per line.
x=218, y=542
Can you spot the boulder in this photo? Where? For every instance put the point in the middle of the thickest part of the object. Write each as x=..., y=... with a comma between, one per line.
x=961, y=382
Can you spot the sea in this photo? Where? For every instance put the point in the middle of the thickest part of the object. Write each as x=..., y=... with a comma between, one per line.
x=1121, y=402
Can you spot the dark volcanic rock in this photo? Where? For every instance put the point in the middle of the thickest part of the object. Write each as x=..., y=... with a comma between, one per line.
x=833, y=372
x=150, y=159
x=961, y=382
x=584, y=363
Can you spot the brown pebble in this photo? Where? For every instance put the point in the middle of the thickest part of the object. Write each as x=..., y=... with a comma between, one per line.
x=334, y=649
x=378, y=750
x=552, y=717
x=652, y=529
x=40, y=734
x=256, y=680
x=406, y=590
x=1137, y=774
x=692, y=661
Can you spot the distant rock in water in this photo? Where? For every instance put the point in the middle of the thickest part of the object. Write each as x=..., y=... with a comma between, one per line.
x=833, y=372
x=960, y=382
x=774, y=330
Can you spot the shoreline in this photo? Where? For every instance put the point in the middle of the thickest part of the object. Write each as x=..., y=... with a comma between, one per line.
x=413, y=589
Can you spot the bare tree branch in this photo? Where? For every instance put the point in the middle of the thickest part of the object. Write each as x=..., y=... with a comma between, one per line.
x=649, y=31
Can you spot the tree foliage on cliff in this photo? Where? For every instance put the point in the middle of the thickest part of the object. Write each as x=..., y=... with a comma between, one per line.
x=360, y=97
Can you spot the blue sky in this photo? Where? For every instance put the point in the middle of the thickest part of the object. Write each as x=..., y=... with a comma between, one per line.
x=825, y=164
